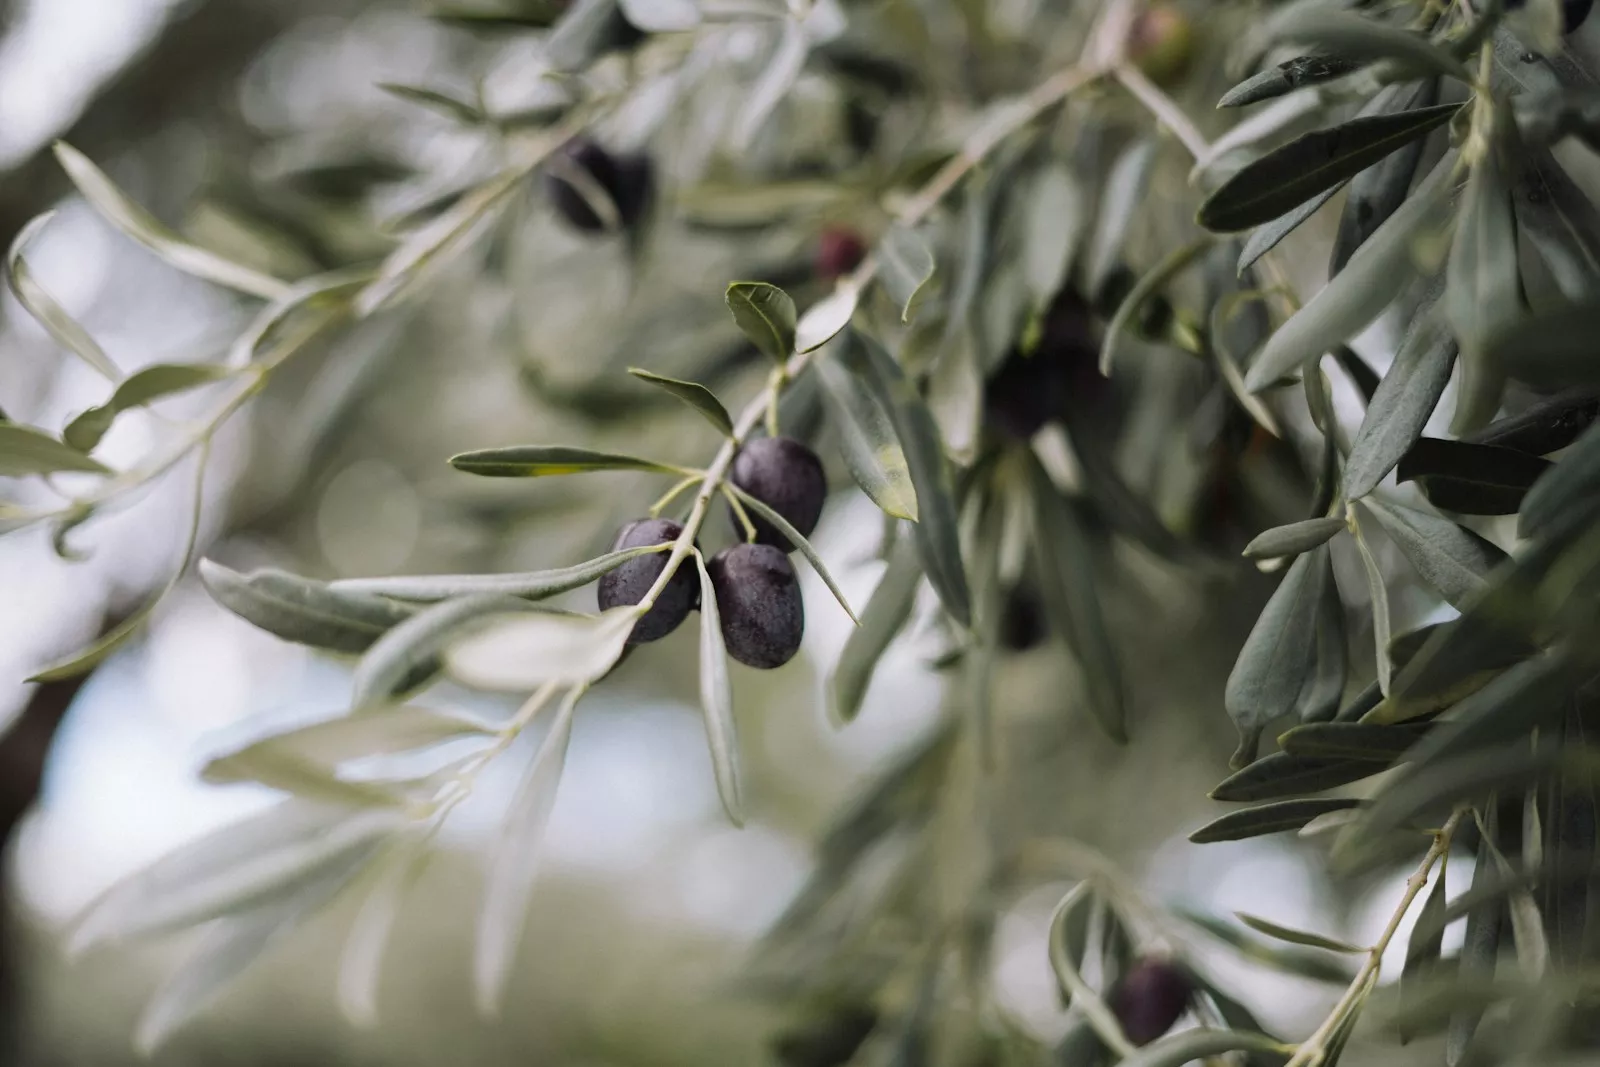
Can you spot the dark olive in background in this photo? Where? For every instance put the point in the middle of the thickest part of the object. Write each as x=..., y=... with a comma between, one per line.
x=636, y=188
x=1573, y=12
x=758, y=596
x=627, y=180
x=786, y=476
x=1147, y=1000
x=629, y=583
x=1021, y=621
x=829, y=1041
x=840, y=250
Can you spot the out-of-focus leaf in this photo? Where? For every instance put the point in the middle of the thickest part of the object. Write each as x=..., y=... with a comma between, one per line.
x=395, y=660
x=587, y=30
x=138, y=390
x=37, y=301
x=1349, y=303
x=1294, y=936
x=1313, y=965
x=1293, y=539
x=1288, y=76
x=451, y=107
x=1479, y=953
x=1353, y=740
x=1527, y=696
x=1283, y=774
x=1427, y=938
x=905, y=263
x=1527, y=925
x=246, y=864
x=545, y=461
x=25, y=450
x=716, y=701
x=1468, y=478
x=1551, y=348
x=1265, y=237
x=1544, y=427
x=867, y=440
x=1069, y=939
x=777, y=79
x=1269, y=819
x=515, y=863
x=521, y=652
x=795, y=538
x=135, y=222
x=1054, y=227
x=823, y=320
x=1324, y=689
x=1378, y=593
x=1068, y=580
x=301, y=610
x=885, y=614
x=1280, y=653
x=694, y=394
x=1288, y=176
x=1123, y=193
x=1266, y=123
x=1379, y=190
x=361, y=962
x=1146, y=287
x=1556, y=218
x=1572, y=485
x=1452, y=559
x=532, y=585
x=936, y=530
x=1402, y=405
x=662, y=16
x=1349, y=35
x=766, y=314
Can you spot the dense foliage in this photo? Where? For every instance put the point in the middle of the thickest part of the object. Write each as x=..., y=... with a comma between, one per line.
x=1009, y=248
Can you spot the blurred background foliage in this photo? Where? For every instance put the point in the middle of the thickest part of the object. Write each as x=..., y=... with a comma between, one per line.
x=260, y=128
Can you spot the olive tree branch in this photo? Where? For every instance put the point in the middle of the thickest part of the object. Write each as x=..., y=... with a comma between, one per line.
x=1311, y=1050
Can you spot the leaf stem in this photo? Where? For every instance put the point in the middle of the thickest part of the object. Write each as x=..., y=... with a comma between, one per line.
x=1312, y=1049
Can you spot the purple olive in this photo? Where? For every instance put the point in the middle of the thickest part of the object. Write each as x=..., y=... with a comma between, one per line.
x=786, y=476
x=629, y=583
x=758, y=597
x=1152, y=996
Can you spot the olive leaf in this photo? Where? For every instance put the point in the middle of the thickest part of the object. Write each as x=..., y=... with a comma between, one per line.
x=1288, y=76
x=37, y=301
x=1561, y=224
x=361, y=962
x=662, y=16
x=1452, y=559
x=766, y=315
x=25, y=450
x=1378, y=593
x=694, y=394
x=409, y=651
x=1068, y=940
x=1480, y=949
x=936, y=531
x=135, y=222
x=522, y=650
x=1285, y=774
x=1548, y=348
x=823, y=320
x=1293, y=539
x=777, y=78
x=531, y=585
x=1572, y=486
x=716, y=700
x=1123, y=193
x=1424, y=946
x=1353, y=740
x=301, y=610
x=1273, y=818
x=1349, y=303
x=1265, y=237
x=905, y=264
x=1468, y=478
x=139, y=390
x=1511, y=706
x=1312, y=163
x=1404, y=401
x=1378, y=191
x=885, y=615
x=1324, y=689
x=1545, y=426
x=867, y=440
x=1054, y=225
x=515, y=861
x=1293, y=936
x=1353, y=37
x=547, y=461
x=1147, y=286
x=450, y=106
x=1189, y=1045
x=1281, y=651
x=794, y=537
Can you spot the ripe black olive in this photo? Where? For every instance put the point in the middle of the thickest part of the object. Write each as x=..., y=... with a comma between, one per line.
x=630, y=582
x=758, y=596
x=840, y=250
x=628, y=181
x=1021, y=622
x=1152, y=996
x=830, y=1041
x=786, y=476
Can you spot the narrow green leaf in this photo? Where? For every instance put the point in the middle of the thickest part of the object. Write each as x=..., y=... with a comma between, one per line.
x=1317, y=966
x=936, y=530
x=394, y=661
x=1366, y=742
x=361, y=961
x=1288, y=76
x=1426, y=942
x=1551, y=348
x=1545, y=426
x=716, y=700
x=1572, y=485
x=884, y=616
x=1069, y=582
x=1280, y=653
x=1378, y=593
x=532, y=585
x=1121, y=199
x=766, y=314
x=37, y=301
x=776, y=81
x=1269, y=819
x=1527, y=924
x=1293, y=539
x=1283, y=774
x=1470, y=479
x=144, y=228
x=867, y=440
x=25, y=451
x=795, y=538
x=1146, y=287
x=1377, y=192
x=694, y=394
x=301, y=610
x=524, y=650
x=547, y=461
x=823, y=320
x=451, y=107
x=1351, y=301
x=1068, y=939
x=138, y=390
x=662, y=16
x=1288, y=176
x=1509, y=708
x=1557, y=219
x=1265, y=237
x=1479, y=953
x=1294, y=936
x=1054, y=225
x=1404, y=401
x=1351, y=36
x=1324, y=690
x=905, y=264
x=1452, y=559
x=515, y=862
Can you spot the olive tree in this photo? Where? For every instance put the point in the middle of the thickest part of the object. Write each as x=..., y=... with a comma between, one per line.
x=977, y=252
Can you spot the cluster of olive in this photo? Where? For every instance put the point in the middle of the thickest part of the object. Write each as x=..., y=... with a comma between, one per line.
x=758, y=592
